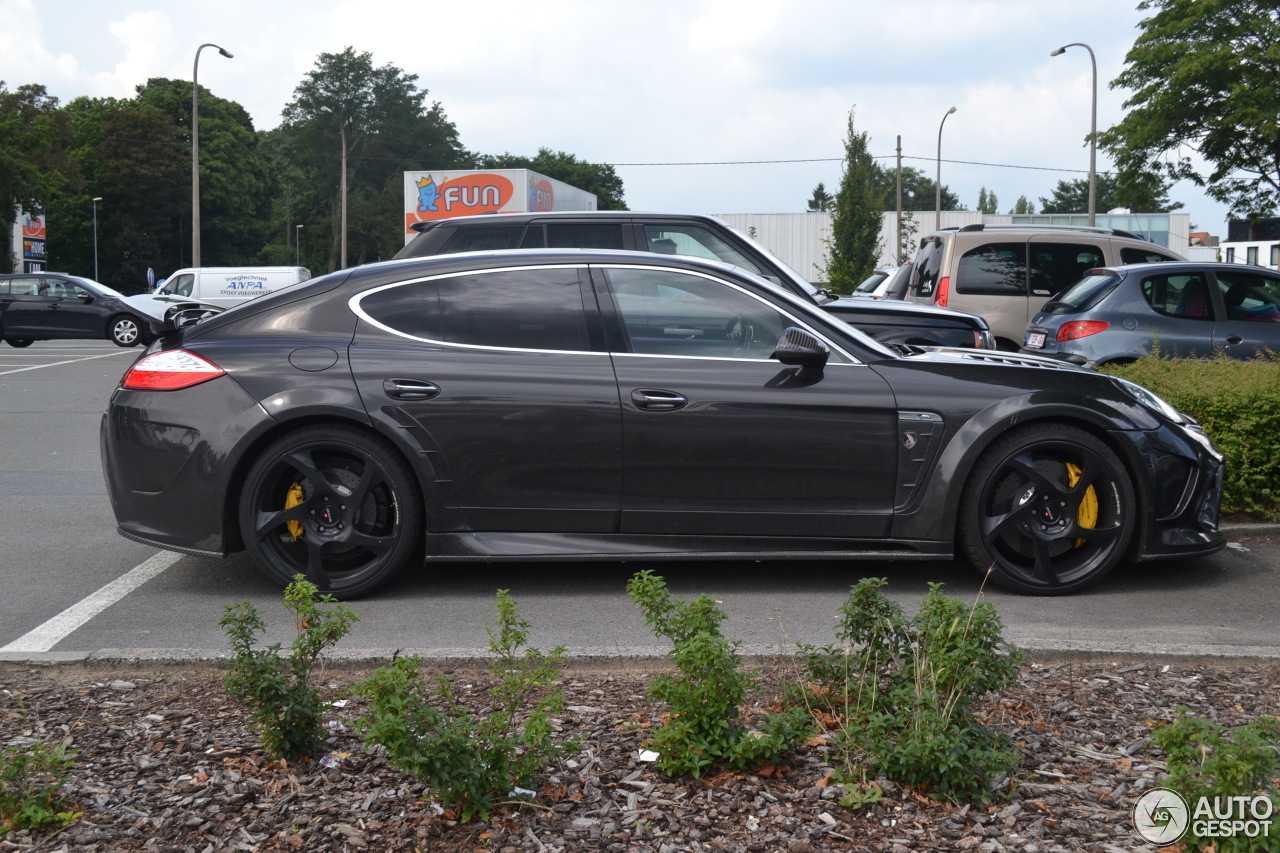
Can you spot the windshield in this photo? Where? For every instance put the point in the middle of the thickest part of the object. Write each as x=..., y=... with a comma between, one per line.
x=804, y=285
x=1082, y=295
x=98, y=286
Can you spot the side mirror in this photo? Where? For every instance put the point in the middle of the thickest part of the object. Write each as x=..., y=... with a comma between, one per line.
x=86, y=298
x=796, y=346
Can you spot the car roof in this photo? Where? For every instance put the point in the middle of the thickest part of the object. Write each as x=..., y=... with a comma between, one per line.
x=1166, y=266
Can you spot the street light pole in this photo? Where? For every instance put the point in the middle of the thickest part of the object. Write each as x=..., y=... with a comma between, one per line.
x=1093, y=129
x=342, y=132
x=937, y=206
x=195, y=152
x=297, y=247
x=95, y=236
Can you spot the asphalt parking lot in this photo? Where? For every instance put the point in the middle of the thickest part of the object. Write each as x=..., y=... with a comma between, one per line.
x=74, y=588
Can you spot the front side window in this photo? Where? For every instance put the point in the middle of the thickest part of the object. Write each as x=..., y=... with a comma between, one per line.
x=665, y=312
x=993, y=268
x=1057, y=266
x=1250, y=297
x=180, y=286
x=695, y=241
x=538, y=308
x=1180, y=295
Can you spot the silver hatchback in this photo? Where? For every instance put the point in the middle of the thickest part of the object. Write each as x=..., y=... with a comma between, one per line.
x=1180, y=310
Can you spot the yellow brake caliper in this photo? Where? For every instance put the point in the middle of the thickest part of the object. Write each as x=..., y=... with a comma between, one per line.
x=295, y=496
x=1087, y=515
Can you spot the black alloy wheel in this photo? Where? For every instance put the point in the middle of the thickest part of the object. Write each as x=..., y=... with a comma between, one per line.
x=124, y=330
x=1047, y=510
x=19, y=342
x=335, y=504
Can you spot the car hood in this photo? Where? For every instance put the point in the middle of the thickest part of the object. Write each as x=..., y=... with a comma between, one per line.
x=995, y=357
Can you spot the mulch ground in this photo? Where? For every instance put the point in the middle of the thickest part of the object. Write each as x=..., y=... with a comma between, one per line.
x=166, y=762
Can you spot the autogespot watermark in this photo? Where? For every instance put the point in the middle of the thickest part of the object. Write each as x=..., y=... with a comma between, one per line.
x=1163, y=816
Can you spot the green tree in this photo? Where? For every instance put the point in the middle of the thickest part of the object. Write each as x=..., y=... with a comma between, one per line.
x=821, y=199
x=1023, y=205
x=854, y=247
x=382, y=118
x=987, y=202
x=598, y=178
x=918, y=190
x=1204, y=79
x=1145, y=193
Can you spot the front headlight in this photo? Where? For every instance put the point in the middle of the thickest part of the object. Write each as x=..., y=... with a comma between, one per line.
x=1151, y=401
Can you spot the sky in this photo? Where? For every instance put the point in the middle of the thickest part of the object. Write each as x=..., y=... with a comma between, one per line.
x=702, y=106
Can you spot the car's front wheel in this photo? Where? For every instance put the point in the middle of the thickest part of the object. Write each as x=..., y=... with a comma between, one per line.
x=18, y=342
x=1047, y=510
x=124, y=331
x=335, y=504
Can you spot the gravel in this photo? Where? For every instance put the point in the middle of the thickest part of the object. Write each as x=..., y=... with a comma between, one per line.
x=166, y=762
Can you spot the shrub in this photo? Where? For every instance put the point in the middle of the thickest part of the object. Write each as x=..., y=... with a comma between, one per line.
x=470, y=762
x=285, y=709
x=1238, y=404
x=1209, y=760
x=31, y=780
x=904, y=692
x=705, y=725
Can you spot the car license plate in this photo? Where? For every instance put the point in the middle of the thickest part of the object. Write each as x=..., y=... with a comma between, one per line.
x=1035, y=340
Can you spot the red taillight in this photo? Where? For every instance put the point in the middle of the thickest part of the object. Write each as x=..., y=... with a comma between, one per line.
x=1081, y=329
x=940, y=295
x=170, y=371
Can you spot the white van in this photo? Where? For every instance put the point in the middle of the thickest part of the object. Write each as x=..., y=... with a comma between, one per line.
x=220, y=286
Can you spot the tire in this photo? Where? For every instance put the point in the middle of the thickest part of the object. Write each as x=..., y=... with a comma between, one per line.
x=1048, y=510
x=19, y=342
x=335, y=504
x=124, y=330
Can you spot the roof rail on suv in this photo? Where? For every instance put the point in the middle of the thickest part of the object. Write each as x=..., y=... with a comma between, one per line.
x=981, y=226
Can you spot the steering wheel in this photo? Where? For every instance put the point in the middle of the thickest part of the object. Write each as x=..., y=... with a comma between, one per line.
x=743, y=333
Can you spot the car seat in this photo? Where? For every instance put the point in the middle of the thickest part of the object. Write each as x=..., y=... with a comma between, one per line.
x=1194, y=301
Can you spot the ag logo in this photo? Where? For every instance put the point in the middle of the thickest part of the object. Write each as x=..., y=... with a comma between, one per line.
x=1161, y=815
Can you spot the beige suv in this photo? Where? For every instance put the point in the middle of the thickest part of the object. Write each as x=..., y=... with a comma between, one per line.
x=1006, y=272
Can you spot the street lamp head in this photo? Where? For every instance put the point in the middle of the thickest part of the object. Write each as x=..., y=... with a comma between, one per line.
x=98, y=198
x=1059, y=51
x=950, y=111
x=228, y=54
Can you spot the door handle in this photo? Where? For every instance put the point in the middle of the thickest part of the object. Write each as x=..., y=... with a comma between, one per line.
x=657, y=401
x=410, y=389
x=1234, y=339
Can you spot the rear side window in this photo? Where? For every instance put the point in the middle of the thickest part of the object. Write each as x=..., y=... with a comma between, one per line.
x=1131, y=255
x=1082, y=295
x=1181, y=295
x=21, y=286
x=481, y=239
x=584, y=235
x=520, y=309
x=993, y=268
x=1057, y=266
x=926, y=266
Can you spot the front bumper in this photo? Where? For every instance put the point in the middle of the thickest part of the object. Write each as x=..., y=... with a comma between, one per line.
x=1185, y=477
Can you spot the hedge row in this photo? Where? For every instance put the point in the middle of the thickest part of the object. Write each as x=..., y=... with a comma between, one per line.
x=1238, y=404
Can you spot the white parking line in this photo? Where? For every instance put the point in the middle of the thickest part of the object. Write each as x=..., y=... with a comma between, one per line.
x=56, y=363
x=44, y=637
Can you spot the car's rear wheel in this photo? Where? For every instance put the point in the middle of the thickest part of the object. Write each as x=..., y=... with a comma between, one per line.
x=124, y=330
x=18, y=342
x=334, y=504
x=1047, y=510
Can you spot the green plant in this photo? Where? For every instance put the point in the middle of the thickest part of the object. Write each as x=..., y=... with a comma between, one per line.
x=1238, y=405
x=1211, y=762
x=904, y=692
x=470, y=761
x=31, y=780
x=705, y=724
x=285, y=709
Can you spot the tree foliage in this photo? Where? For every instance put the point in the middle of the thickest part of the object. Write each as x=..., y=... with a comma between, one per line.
x=855, y=224
x=820, y=200
x=1146, y=193
x=1205, y=76
x=598, y=178
x=919, y=191
x=987, y=201
x=1023, y=205
x=33, y=138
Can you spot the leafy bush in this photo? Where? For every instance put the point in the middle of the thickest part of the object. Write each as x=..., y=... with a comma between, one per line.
x=31, y=780
x=1238, y=404
x=285, y=709
x=903, y=692
x=1206, y=759
x=470, y=762
x=705, y=725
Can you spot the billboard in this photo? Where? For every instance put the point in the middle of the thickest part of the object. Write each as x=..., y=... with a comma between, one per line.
x=445, y=194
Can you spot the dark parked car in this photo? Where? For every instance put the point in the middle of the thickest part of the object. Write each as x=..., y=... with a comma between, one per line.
x=43, y=306
x=699, y=237
x=1119, y=314
x=619, y=405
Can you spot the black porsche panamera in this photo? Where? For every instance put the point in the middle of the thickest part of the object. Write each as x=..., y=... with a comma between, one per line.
x=613, y=405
